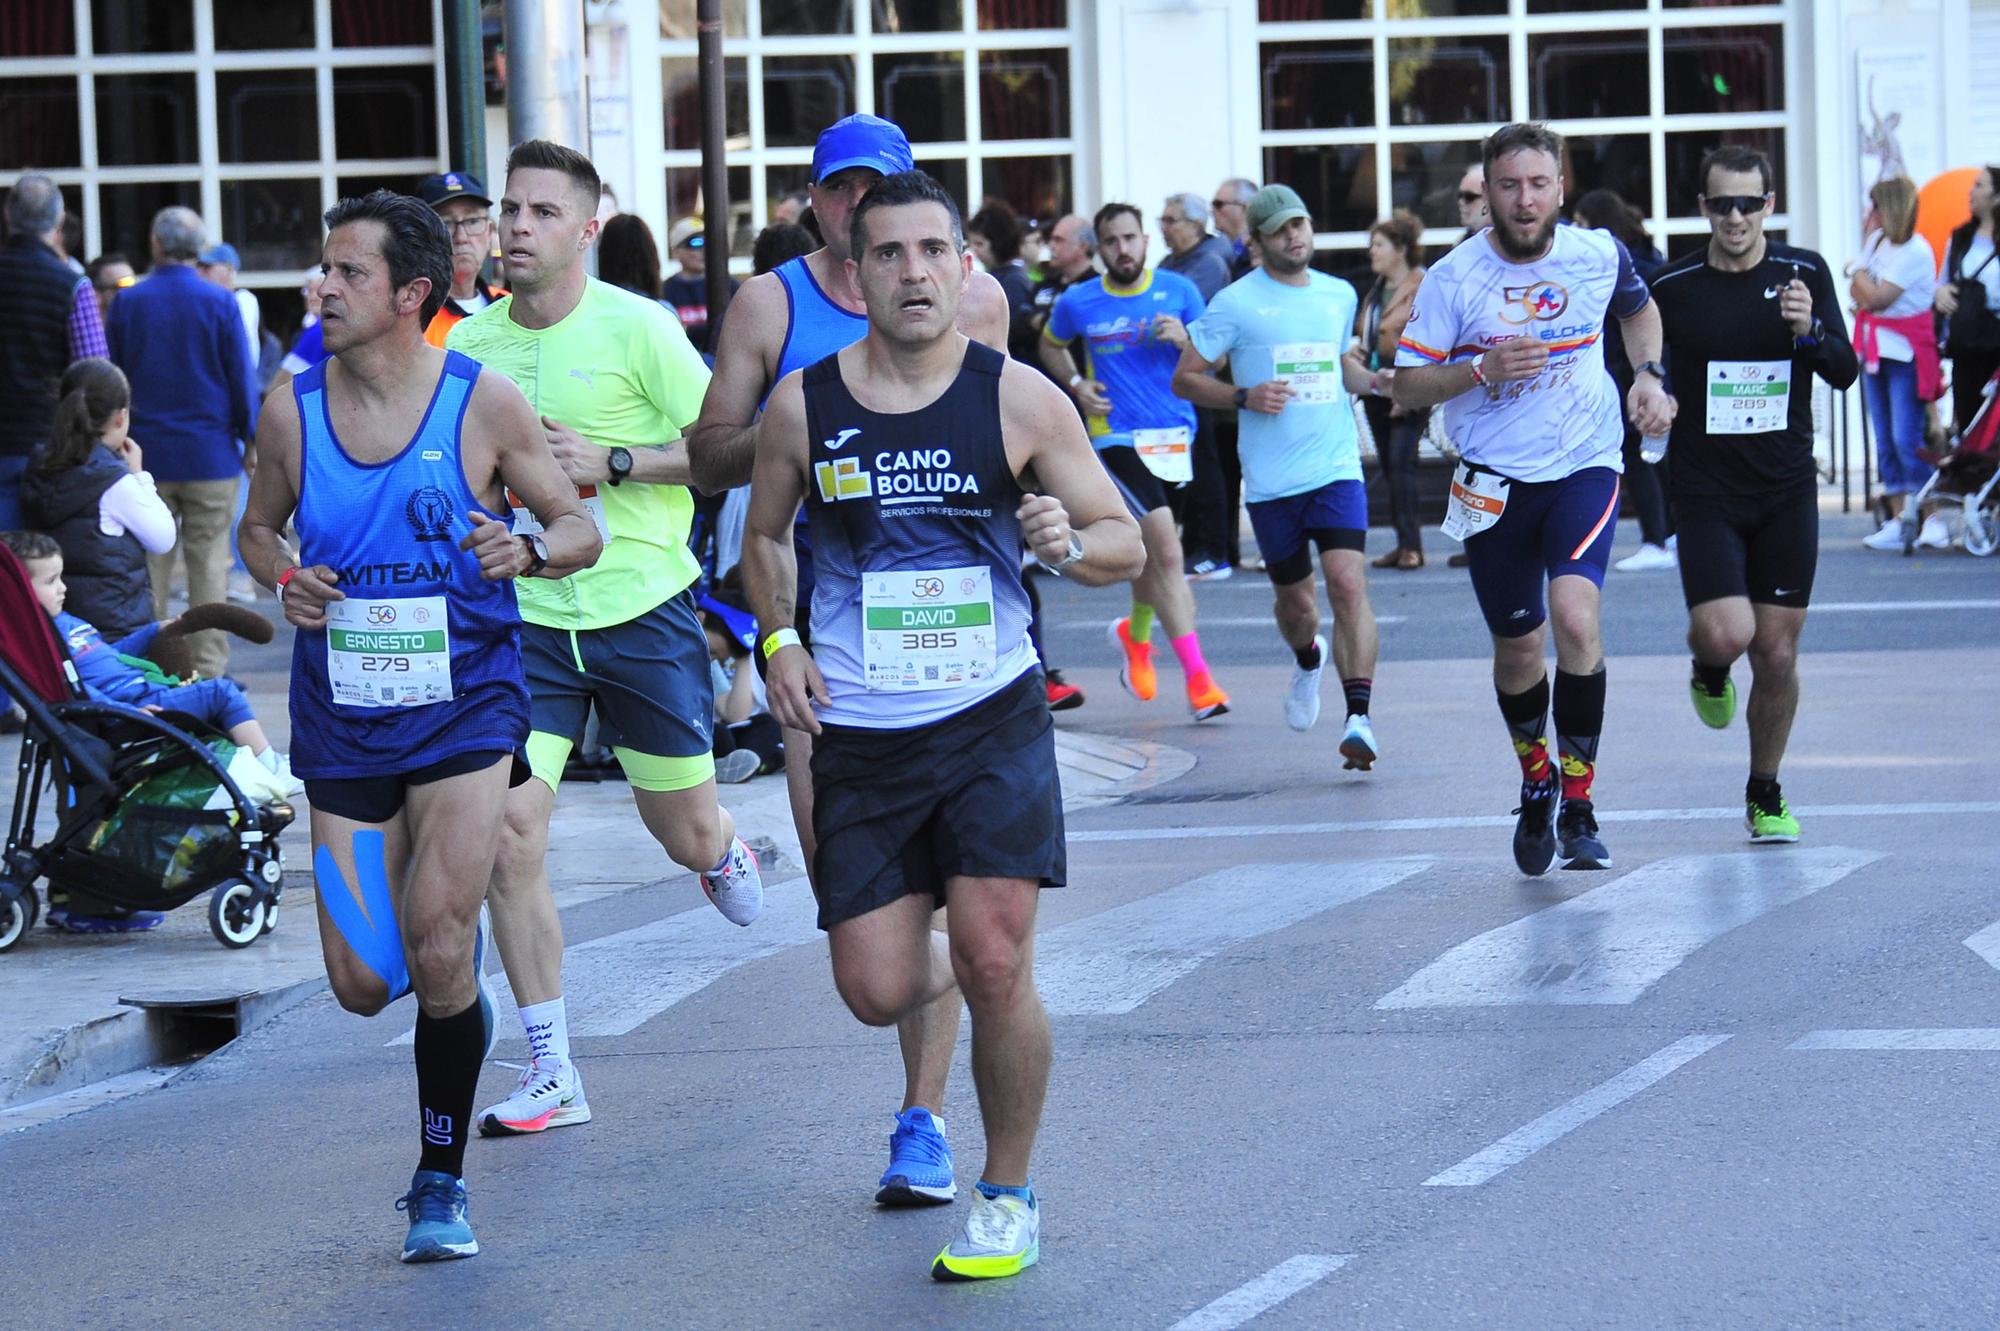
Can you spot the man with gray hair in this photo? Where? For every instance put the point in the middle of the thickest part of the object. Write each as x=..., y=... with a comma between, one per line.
x=180, y=341
x=1072, y=257
x=1201, y=258
x=48, y=320
x=1229, y=211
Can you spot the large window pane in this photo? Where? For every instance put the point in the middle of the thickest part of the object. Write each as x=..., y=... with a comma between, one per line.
x=381, y=23
x=266, y=115
x=1582, y=75
x=1038, y=188
x=1024, y=94
x=919, y=15
x=259, y=25
x=40, y=128
x=1710, y=70
x=125, y=214
x=684, y=199
x=950, y=172
x=1312, y=11
x=141, y=26
x=1337, y=183
x=803, y=95
x=1447, y=80
x=1684, y=154
x=37, y=29
x=681, y=96
x=1318, y=85
x=1580, y=6
x=997, y=15
x=805, y=18
x=145, y=120
x=1411, y=9
x=1617, y=162
x=387, y=112
x=782, y=180
x=1348, y=265
x=677, y=19
x=354, y=186
x=924, y=93
x=1423, y=177
x=274, y=224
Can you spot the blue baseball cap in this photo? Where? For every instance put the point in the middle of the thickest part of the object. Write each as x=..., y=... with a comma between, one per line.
x=222, y=253
x=741, y=622
x=870, y=141
x=438, y=189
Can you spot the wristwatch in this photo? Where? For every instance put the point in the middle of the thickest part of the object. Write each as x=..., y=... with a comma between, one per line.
x=1242, y=397
x=1652, y=367
x=1075, y=553
x=620, y=463
x=1810, y=338
x=538, y=554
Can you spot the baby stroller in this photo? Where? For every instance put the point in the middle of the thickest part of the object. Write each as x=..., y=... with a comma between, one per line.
x=132, y=790
x=1967, y=478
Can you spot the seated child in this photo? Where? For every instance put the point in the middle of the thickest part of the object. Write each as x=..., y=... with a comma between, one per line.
x=748, y=739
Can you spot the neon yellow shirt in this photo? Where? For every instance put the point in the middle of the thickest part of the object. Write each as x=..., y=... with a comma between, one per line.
x=618, y=370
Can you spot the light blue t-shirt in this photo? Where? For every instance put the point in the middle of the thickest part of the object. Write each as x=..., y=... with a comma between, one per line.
x=1135, y=366
x=1270, y=330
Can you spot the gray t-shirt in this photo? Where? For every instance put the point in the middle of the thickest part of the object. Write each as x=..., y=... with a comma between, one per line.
x=1206, y=265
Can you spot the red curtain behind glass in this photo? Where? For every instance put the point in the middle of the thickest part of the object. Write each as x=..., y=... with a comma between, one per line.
x=37, y=29
x=381, y=23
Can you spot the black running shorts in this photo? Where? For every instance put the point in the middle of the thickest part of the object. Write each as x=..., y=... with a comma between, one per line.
x=1763, y=546
x=900, y=812
x=1124, y=463
x=377, y=799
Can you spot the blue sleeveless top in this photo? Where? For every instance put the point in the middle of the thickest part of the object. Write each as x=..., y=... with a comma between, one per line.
x=816, y=327
x=427, y=664
x=919, y=492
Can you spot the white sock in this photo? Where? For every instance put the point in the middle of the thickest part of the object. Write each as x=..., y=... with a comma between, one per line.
x=547, y=1025
x=269, y=757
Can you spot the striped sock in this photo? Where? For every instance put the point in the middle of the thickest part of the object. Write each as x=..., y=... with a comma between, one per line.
x=1358, y=691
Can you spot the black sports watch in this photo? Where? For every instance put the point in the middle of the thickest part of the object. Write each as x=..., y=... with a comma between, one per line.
x=620, y=463
x=1652, y=367
x=1242, y=398
x=1810, y=339
x=538, y=554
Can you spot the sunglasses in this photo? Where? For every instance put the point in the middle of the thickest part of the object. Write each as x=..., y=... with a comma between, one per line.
x=695, y=242
x=1467, y=196
x=1724, y=204
x=1226, y=203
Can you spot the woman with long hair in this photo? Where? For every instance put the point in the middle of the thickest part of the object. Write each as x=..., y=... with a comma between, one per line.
x=1396, y=257
x=627, y=256
x=1968, y=297
x=1892, y=284
x=88, y=488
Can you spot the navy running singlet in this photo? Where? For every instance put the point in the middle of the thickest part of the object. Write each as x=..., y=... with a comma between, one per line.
x=919, y=611
x=422, y=661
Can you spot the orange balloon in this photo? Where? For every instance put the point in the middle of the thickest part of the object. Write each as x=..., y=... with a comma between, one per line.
x=1944, y=204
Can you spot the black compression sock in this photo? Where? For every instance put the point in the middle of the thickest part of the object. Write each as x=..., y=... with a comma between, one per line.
x=1579, y=718
x=1358, y=691
x=1308, y=655
x=1526, y=714
x=449, y=1053
x=1713, y=679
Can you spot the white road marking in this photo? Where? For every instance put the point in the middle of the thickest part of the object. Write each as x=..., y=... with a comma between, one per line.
x=1987, y=944
x=1974, y=1039
x=1559, y=1122
x=1733, y=813
x=1111, y=962
x=1264, y=1293
x=1879, y=607
x=1611, y=944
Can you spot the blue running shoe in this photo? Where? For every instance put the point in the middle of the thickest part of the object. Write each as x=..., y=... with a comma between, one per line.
x=438, y=1229
x=919, y=1172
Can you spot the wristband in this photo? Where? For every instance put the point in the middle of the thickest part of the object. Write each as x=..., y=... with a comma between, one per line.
x=1478, y=374
x=284, y=578
x=778, y=639
x=1075, y=379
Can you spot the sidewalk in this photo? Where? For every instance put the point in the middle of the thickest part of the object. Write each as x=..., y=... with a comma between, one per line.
x=72, y=1027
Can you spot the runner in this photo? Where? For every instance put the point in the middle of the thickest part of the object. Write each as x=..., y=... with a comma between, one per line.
x=1506, y=334
x=1284, y=330
x=803, y=312
x=614, y=381
x=408, y=703
x=1747, y=324
x=1133, y=324
x=935, y=773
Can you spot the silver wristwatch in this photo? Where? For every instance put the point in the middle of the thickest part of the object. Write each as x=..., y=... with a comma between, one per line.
x=1075, y=553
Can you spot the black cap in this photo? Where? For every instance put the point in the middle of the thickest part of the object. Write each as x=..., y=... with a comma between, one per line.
x=435, y=190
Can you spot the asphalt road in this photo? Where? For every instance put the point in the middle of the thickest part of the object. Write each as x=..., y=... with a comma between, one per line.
x=1324, y=1059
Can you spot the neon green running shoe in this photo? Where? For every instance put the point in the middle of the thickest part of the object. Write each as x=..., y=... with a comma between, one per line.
x=1716, y=712
x=1002, y=1237
x=1768, y=826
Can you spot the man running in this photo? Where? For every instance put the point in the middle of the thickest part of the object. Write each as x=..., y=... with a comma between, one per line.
x=1506, y=333
x=1133, y=325
x=394, y=460
x=1284, y=330
x=784, y=320
x=1747, y=324
x=614, y=381
x=934, y=770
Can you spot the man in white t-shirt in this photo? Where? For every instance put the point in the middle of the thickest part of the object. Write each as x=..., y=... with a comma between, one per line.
x=1507, y=334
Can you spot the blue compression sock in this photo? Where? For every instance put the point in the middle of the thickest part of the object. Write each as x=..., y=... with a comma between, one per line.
x=369, y=926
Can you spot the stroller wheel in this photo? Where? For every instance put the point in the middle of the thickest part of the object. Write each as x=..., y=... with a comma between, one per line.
x=271, y=916
x=17, y=913
x=1982, y=530
x=236, y=913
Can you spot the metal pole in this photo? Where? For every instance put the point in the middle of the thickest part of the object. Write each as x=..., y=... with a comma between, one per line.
x=545, y=89
x=465, y=88
x=714, y=169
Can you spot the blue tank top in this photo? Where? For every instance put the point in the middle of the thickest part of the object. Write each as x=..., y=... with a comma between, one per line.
x=919, y=611
x=815, y=328
x=423, y=659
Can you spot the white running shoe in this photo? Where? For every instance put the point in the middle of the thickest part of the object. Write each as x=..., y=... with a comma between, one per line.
x=549, y=1095
x=1357, y=745
x=1002, y=1237
x=282, y=780
x=1936, y=534
x=1302, y=699
x=1888, y=537
x=738, y=890
x=737, y=766
x=1648, y=558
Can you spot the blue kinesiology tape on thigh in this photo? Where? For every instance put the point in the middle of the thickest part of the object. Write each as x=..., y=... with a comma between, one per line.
x=369, y=926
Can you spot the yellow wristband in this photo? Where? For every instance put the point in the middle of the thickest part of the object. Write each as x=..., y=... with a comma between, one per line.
x=782, y=638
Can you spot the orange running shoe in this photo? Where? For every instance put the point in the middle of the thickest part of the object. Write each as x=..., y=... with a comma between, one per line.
x=1137, y=673
x=1205, y=699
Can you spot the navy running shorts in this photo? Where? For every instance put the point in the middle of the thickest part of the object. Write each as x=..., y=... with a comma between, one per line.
x=377, y=799
x=1761, y=546
x=1147, y=491
x=1549, y=529
x=650, y=682
x=901, y=812
x=1333, y=517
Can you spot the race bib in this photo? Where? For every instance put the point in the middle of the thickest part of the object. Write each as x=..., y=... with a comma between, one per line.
x=1312, y=369
x=1166, y=454
x=927, y=629
x=593, y=504
x=1749, y=397
x=388, y=653
x=1478, y=498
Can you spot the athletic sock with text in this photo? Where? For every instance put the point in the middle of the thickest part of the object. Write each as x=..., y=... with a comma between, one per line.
x=547, y=1027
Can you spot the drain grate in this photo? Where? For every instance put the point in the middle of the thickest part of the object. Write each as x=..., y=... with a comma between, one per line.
x=1199, y=797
